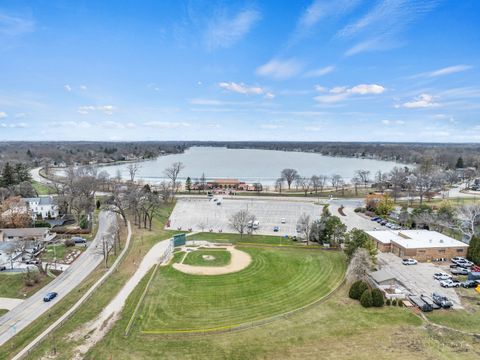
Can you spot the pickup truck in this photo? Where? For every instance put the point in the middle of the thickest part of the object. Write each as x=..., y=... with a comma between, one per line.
x=441, y=300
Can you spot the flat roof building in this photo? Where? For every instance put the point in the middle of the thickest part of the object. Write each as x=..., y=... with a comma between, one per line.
x=422, y=245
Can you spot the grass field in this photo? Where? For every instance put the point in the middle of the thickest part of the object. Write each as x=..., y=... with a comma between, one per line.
x=220, y=258
x=42, y=189
x=237, y=239
x=278, y=280
x=13, y=285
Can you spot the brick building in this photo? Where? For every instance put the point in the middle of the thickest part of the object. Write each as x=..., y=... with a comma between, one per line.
x=422, y=245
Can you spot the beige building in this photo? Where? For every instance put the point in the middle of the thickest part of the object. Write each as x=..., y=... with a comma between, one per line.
x=422, y=245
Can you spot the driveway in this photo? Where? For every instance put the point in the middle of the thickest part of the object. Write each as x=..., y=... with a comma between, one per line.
x=418, y=279
x=32, y=308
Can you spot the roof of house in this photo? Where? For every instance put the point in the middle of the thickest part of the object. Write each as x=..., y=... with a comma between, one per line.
x=381, y=276
x=414, y=239
x=24, y=232
x=41, y=200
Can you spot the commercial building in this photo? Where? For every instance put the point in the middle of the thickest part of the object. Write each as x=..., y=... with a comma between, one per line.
x=422, y=245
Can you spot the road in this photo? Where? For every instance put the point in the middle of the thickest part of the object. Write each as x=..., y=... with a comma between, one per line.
x=35, y=174
x=32, y=308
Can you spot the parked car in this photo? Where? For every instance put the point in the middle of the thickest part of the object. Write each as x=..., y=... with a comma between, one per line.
x=469, y=284
x=32, y=262
x=465, y=264
x=459, y=271
x=256, y=224
x=449, y=283
x=79, y=240
x=275, y=228
x=442, y=276
x=409, y=262
x=375, y=218
x=458, y=258
x=50, y=296
x=441, y=300
x=283, y=221
x=383, y=223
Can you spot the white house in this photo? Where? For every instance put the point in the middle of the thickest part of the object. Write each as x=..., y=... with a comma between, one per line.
x=43, y=207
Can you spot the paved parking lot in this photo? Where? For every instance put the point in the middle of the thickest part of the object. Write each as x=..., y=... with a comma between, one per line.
x=195, y=212
x=418, y=279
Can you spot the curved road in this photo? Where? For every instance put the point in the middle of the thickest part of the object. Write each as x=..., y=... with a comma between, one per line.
x=32, y=308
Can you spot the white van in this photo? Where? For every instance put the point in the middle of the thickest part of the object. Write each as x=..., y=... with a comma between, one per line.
x=256, y=224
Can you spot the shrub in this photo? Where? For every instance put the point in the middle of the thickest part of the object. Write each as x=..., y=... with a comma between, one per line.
x=399, y=302
x=394, y=302
x=366, y=299
x=357, y=289
x=69, y=242
x=388, y=302
x=377, y=298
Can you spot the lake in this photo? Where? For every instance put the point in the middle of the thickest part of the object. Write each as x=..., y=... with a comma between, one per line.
x=249, y=165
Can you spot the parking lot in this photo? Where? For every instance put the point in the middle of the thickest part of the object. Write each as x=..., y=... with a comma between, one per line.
x=418, y=279
x=205, y=215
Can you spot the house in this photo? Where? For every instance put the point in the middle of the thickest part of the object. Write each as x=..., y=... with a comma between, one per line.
x=390, y=286
x=422, y=245
x=22, y=234
x=43, y=207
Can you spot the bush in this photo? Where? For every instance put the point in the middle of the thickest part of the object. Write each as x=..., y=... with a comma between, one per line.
x=357, y=289
x=366, y=299
x=388, y=302
x=377, y=298
x=69, y=242
x=394, y=302
x=399, y=302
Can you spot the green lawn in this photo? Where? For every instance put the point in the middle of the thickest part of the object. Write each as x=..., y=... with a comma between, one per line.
x=278, y=280
x=220, y=258
x=13, y=285
x=237, y=239
x=3, y=312
x=42, y=189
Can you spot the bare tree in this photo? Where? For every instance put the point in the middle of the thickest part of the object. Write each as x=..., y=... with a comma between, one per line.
x=305, y=184
x=133, y=169
x=203, y=182
x=304, y=226
x=322, y=182
x=119, y=201
x=172, y=173
x=467, y=221
x=398, y=179
x=359, y=266
x=315, y=182
x=289, y=175
x=363, y=175
x=336, y=180
x=279, y=184
x=239, y=221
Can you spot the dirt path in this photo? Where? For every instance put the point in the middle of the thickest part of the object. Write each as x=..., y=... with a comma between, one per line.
x=239, y=260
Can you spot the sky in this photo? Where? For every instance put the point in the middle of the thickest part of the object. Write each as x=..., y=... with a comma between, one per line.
x=304, y=70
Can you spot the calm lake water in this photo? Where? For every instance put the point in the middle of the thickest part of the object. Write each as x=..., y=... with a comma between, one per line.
x=249, y=165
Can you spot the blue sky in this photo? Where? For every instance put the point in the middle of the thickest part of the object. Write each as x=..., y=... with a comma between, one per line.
x=344, y=70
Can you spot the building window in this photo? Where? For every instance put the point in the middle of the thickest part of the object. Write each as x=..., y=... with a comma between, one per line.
x=459, y=250
x=441, y=251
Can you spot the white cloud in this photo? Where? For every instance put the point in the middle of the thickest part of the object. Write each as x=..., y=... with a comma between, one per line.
x=320, y=72
x=207, y=102
x=67, y=87
x=72, y=124
x=241, y=88
x=339, y=93
x=393, y=122
x=13, y=26
x=21, y=125
x=3, y=115
x=224, y=32
x=448, y=70
x=165, y=124
x=270, y=126
x=83, y=87
x=106, y=109
x=320, y=88
x=321, y=9
x=422, y=101
x=280, y=69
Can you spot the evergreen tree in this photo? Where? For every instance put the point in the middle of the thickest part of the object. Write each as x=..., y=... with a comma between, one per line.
x=8, y=175
x=366, y=299
x=188, y=184
x=459, y=164
x=473, y=253
x=377, y=298
x=357, y=238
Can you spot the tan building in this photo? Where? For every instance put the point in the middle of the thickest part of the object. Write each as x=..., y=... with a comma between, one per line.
x=22, y=234
x=422, y=245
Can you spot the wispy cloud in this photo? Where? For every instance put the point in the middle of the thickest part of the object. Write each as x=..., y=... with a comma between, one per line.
x=320, y=72
x=165, y=124
x=3, y=115
x=270, y=126
x=67, y=88
x=340, y=93
x=280, y=69
x=224, y=31
x=383, y=23
x=21, y=125
x=422, y=101
x=321, y=9
x=393, y=122
x=445, y=71
x=241, y=88
x=13, y=25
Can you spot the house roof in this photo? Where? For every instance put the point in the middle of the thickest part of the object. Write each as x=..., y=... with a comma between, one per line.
x=24, y=232
x=41, y=200
x=414, y=239
x=381, y=276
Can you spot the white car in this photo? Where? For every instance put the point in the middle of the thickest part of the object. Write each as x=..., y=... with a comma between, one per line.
x=283, y=221
x=409, y=262
x=442, y=276
x=449, y=283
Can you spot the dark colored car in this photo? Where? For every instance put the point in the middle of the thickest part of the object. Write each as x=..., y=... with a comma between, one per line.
x=275, y=228
x=375, y=218
x=469, y=284
x=3, y=268
x=79, y=240
x=50, y=296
